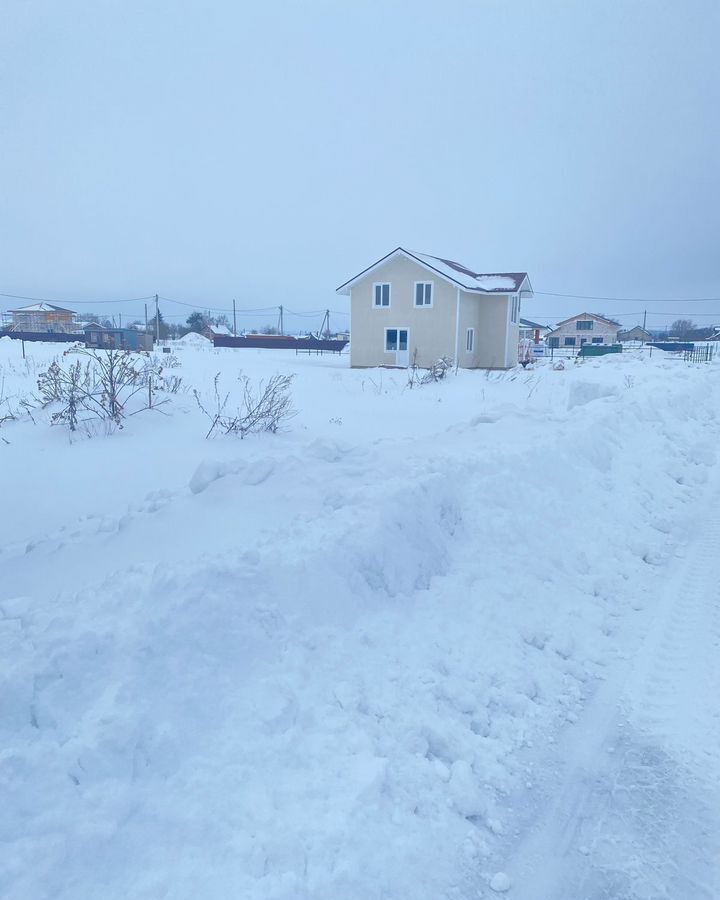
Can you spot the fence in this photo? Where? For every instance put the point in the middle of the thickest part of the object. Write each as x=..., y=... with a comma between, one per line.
x=699, y=354
x=55, y=337
x=278, y=342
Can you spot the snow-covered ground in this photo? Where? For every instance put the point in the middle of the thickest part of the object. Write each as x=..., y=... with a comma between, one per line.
x=434, y=643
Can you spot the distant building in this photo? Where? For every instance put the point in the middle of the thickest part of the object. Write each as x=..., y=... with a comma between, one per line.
x=532, y=331
x=97, y=337
x=212, y=331
x=586, y=328
x=635, y=334
x=42, y=317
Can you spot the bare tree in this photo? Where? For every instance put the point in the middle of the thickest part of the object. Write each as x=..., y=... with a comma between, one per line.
x=683, y=329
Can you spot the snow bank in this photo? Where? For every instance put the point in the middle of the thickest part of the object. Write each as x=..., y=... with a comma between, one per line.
x=193, y=338
x=317, y=665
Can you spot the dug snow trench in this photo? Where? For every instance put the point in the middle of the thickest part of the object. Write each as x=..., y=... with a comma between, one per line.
x=333, y=674
x=632, y=791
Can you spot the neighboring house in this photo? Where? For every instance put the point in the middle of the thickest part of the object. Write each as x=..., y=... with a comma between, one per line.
x=213, y=330
x=97, y=337
x=42, y=317
x=587, y=328
x=414, y=308
x=532, y=331
x=635, y=334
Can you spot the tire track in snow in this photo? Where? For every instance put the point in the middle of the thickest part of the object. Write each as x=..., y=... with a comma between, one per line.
x=636, y=813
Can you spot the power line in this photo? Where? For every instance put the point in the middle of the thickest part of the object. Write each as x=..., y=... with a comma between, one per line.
x=638, y=313
x=321, y=311
x=215, y=308
x=632, y=299
x=92, y=302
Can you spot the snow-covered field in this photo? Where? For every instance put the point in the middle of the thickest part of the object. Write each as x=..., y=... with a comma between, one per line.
x=431, y=643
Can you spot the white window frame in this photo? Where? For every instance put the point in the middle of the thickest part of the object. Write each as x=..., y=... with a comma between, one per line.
x=470, y=340
x=380, y=284
x=398, y=329
x=423, y=305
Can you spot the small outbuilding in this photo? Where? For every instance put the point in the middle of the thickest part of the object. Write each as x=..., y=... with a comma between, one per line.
x=637, y=333
x=533, y=331
x=98, y=337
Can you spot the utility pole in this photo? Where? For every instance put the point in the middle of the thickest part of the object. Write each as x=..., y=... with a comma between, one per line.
x=120, y=314
x=234, y=320
x=157, y=320
x=146, y=331
x=281, y=321
x=644, y=319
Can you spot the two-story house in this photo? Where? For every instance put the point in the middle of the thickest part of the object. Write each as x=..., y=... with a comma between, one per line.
x=586, y=328
x=42, y=317
x=411, y=308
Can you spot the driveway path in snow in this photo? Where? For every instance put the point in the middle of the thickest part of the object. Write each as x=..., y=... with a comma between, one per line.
x=636, y=782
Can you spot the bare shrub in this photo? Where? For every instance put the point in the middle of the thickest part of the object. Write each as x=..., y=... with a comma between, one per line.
x=7, y=413
x=262, y=408
x=102, y=387
x=437, y=372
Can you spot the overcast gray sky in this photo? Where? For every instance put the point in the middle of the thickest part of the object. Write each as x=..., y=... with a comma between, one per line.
x=209, y=149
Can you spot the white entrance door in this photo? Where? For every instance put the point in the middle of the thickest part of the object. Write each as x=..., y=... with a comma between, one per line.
x=402, y=355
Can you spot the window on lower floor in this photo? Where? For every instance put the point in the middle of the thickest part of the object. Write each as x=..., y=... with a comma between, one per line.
x=396, y=339
x=554, y=342
x=423, y=293
x=597, y=340
x=569, y=341
x=470, y=340
x=381, y=295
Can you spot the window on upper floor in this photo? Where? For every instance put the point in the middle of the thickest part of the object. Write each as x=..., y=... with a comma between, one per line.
x=584, y=324
x=515, y=310
x=381, y=295
x=423, y=293
x=470, y=340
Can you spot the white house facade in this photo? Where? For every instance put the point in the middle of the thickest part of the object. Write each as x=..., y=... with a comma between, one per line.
x=586, y=328
x=412, y=308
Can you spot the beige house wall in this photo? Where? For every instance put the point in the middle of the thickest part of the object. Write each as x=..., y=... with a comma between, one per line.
x=496, y=337
x=432, y=330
